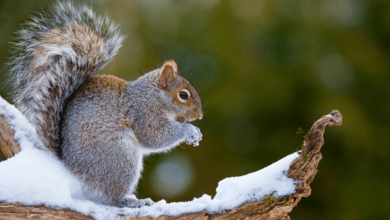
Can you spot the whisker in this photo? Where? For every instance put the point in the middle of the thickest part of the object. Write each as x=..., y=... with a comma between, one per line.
x=207, y=103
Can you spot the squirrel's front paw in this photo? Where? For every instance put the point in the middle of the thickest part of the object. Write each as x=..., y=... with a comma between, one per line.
x=193, y=135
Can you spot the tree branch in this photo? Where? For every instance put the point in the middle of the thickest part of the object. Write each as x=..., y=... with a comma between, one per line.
x=303, y=168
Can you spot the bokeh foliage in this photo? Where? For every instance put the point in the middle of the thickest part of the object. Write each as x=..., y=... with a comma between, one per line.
x=263, y=69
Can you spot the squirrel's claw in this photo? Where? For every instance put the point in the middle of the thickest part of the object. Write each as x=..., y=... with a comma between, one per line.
x=195, y=143
x=193, y=135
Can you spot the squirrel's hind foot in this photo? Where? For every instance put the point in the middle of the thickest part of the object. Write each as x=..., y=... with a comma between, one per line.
x=132, y=202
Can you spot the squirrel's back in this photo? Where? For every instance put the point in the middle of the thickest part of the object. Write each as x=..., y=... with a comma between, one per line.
x=54, y=55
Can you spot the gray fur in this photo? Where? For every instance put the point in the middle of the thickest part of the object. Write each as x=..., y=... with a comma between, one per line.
x=108, y=157
x=98, y=150
x=46, y=70
x=155, y=104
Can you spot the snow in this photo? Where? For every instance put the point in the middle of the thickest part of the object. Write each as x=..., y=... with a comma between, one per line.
x=35, y=176
x=25, y=133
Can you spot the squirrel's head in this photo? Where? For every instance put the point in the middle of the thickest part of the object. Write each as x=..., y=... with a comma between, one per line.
x=186, y=105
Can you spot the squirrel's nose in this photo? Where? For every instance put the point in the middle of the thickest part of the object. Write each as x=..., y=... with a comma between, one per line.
x=200, y=115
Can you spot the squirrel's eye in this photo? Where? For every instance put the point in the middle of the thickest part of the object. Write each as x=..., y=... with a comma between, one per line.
x=183, y=95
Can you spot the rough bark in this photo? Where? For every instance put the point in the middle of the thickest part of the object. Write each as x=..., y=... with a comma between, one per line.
x=18, y=211
x=303, y=168
x=8, y=146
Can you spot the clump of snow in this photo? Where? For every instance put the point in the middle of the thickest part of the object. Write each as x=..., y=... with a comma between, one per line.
x=36, y=176
x=258, y=184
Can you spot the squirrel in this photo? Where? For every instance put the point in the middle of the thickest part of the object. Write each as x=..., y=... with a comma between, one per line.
x=99, y=126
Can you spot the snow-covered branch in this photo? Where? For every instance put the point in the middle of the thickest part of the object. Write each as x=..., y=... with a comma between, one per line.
x=34, y=183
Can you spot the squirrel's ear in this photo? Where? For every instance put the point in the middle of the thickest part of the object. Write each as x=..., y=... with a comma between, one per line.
x=167, y=74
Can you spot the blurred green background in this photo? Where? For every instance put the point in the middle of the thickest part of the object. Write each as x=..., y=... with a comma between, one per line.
x=263, y=69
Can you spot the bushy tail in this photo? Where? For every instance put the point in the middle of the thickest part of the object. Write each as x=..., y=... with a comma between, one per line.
x=55, y=54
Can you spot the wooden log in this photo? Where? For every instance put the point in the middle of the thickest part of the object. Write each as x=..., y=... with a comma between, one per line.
x=18, y=211
x=8, y=146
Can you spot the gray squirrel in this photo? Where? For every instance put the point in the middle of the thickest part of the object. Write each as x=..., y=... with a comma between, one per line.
x=100, y=126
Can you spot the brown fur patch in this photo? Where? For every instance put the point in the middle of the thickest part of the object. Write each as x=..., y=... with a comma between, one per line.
x=189, y=103
x=79, y=37
x=171, y=63
x=193, y=102
x=125, y=124
x=185, y=84
x=99, y=83
x=167, y=76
